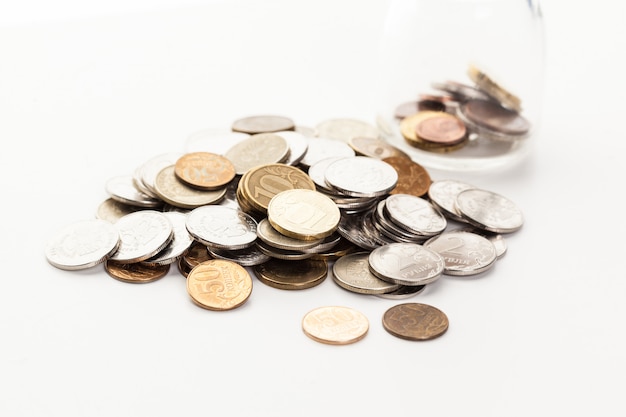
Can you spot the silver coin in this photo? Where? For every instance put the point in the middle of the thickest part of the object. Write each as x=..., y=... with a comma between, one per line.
x=326, y=244
x=250, y=256
x=351, y=229
x=111, y=210
x=285, y=254
x=317, y=172
x=82, y=244
x=258, y=149
x=404, y=292
x=496, y=238
x=178, y=246
x=345, y=129
x=298, y=145
x=143, y=234
x=406, y=264
x=352, y=273
x=361, y=176
x=394, y=230
x=151, y=168
x=489, y=211
x=222, y=227
x=121, y=188
x=442, y=194
x=173, y=191
x=321, y=148
x=464, y=253
x=213, y=140
x=266, y=232
x=415, y=214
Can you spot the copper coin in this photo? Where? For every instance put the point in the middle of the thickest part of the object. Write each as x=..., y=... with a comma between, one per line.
x=415, y=321
x=491, y=115
x=441, y=128
x=196, y=254
x=262, y=124
x=204, y=170
x=413, y=178
x=292, y=275
x=335, y=325
x=374, y=147
x=136, y=273
x=219, y=284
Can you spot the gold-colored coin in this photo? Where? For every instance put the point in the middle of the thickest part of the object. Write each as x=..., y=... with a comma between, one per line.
x=413, y=178
x=291, y=275
x=219, y=284
x=204, y=170
x=335, y=325
x=494, y=89
x=374, y=147
x=303, y=214
x=135, y=273
x=415, y=321
x=408, y=129
x=262, y=183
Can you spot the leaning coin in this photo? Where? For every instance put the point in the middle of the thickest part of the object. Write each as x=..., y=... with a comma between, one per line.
x=361, y=176
x=122, y=189
x=82, y=244
x=151, y=168
x=219, y=285
x=442, y=194
x=262, y=124
x=136, y=273
x=143, y=234
x=406, y=264
x=352, y=273
x=258, y=149
x=335, y=325
x=222, y=227
x=489, y=211
x=289, y=275
x=464, y=253
x=179, y=245
x=415, y=321
x=494, y=89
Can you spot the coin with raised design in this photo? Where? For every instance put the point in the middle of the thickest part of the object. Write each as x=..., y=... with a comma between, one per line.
x=258, y=149
x=82, y=244
x=149, y=170
x=222, y=227
x=136, y=273
x=298, y=145
x=335, y=325
x=463, y=253
x=361, y=176
x=352, y=273
x=442, y=194
x=289, y=275
x=173, y=191
x=143, y=234
x=178, y=246
x=415, y=321
x=489, y=211
x=204, y=170
x=262, y=124
x=413, y=178
x=415, y=214
x=406, y=264
x=219, y=285
x=196, y=254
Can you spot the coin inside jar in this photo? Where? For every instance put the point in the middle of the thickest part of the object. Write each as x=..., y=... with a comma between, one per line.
x=442, y=128
x=491, y=115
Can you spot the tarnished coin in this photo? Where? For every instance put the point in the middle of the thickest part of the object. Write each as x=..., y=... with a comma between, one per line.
x=344, y=129
x=406, y=264
x=82, y=244
x=415, y=321
x=289, y=275
x=375, y=147
x=494, y=89
x=262, y=124
x=222, y=227
x=298, y=145
x=361, y=176
x=143, y=234
x=415, y=214
x=443, y=128
x=258, y=149
x=352, y=273
x=303, y=214
x=489, y=211
x=413, y=178
x=204, y=170
x=219, y=285
x=214, y=140
x=463, y=253
x=121, y=188
x=136, y=273
x=111, y=210
x=335, y=325
x=491, y=115
x=266, y=232
x=442, y=194
x=173, y=191
x=403, y=292
x=178, y=246
x=322, y=148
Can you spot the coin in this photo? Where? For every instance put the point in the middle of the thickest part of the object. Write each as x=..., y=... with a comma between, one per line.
x=298, y=145
x=491, y=115
x=204, y=170
x=344, y=129
x=374, y=147
x=352, y=273
x=413, y=178
x=149, y=170
x=335, y=325
x=303, y=214
x=219, y=284
x=266, y=232
x=494, y=89
x=173, y=191
x=262, y=124
x=361, y=176
x=321, y=148
x=442, y=128
x=196, y=254
x=289, y=275
x=111, y=210
x=403, y=292
x=463, y=253
x=285, y=254
x=406, y=109
x=415, y=214
x=408, y=129
x=442, y=194
x=249, y=256
x=122, y=189
x=489, y=211
x=222, y=227
x=143, y=234
x=258, y=149
x=406, y=264
x=178, y=246
x=136, y=273
x=82, y=244
x=415, y=321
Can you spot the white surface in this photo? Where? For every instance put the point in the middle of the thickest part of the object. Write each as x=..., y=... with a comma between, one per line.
x=84, y=99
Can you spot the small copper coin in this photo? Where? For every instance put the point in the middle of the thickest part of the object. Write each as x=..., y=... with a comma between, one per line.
x=415, y=321
x=413, y=178
x=136, y=273
x=219, y=284
x=441, y=128
x=292, y=275
x=262, y=124
x=204, y=170
x=335, y=325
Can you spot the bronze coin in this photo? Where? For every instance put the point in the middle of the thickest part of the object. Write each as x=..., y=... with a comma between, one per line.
x=415, y=321
x=442, y=128
x=493, y=116
x=135, y=273
x=413, y=178
x=204, y=170
x=219, y=284
x=262, y=124
x=292, y=275
x=196, y=254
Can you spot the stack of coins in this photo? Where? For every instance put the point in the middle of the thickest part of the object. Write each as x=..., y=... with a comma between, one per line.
x=462, y=112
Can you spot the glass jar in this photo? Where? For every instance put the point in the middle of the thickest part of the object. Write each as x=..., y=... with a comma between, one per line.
x=473, y=70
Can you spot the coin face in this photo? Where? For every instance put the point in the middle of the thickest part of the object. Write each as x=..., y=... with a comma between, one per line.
x=204, y=170
x=415, y=321
x=415, y=214
x=271, y=236
x=443, y=192
x=495, y=117
x=413, y=178
x=303, y=214
x=111, y=210
x=122, y=189
x=262, y=124
x=136, y=273
x=406, y=264
x=222, y=227
x=258, y=149
x=464, y=253
x=143, y=234
x=352, y=273
x=179, y=244
x=441, y=128
x=335, y=325
x=322, y=148
x=361, y=176
x=489, y=211
x=82, y=244
x=219, y=284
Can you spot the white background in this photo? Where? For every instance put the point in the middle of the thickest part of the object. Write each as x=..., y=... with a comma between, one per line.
x=91, y=90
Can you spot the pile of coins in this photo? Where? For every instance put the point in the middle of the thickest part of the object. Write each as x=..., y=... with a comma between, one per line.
x=290, y=207
x=462, y=112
